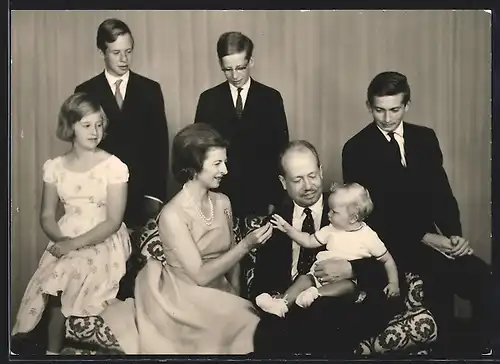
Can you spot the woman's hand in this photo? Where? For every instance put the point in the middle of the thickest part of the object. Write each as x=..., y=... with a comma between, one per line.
x=258, y=237
x=62, y=248
x=280, y=223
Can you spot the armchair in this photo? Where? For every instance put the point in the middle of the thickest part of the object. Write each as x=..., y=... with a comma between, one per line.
x=408, y=333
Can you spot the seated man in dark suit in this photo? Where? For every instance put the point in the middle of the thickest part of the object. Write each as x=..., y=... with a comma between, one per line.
x=401, y=164
x=251, y=116
x=281, y=261
x=137, y=131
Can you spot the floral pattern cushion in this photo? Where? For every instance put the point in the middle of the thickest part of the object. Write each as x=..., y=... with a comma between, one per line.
x=410, y=332
x=89, y=335
x=412, y=329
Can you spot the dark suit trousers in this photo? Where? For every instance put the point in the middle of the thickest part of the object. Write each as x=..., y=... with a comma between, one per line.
x=468, y=277
x=331, y=326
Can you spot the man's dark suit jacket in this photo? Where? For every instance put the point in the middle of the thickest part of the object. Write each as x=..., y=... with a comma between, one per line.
x=273, y=264
x=138, y=135
x=408, y=205
x=255, y=143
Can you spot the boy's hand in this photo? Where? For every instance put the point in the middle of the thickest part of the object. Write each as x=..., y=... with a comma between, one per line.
x=392, y=290
x=461, y=246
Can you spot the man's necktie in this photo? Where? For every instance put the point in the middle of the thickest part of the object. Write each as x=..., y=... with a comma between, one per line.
x=239, y=103
x=306, y=256
x=118, y=94
x=395, y=152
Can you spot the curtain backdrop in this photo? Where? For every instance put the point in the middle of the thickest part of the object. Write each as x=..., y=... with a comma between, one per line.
x=320, y=61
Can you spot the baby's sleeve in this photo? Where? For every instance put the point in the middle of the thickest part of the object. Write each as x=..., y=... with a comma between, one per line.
x=323, y=234
x=375, y=246
x=118, y=172
x=49, y=171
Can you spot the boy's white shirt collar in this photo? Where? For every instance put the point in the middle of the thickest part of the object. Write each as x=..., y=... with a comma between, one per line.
x=112, y=79
x=245, y=87
x=400, y=140
x=244, y=92
x=399, y=131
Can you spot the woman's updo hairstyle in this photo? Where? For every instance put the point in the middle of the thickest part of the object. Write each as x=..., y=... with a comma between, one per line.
x=190, y=147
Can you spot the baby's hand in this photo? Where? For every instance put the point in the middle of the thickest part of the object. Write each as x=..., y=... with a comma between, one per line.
x=307, y=297
x=278, y=222
x=392, y=290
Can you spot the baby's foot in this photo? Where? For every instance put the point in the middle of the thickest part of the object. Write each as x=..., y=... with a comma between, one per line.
x=307, y=297
x=275, y=306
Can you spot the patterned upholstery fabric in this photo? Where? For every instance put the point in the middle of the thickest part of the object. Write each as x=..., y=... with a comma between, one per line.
x=89, y=336
x=410, y=332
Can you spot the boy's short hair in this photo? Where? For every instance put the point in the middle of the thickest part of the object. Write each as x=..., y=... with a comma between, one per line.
x=234, y=42
x=361, y=205
x=109, y=30
x=388, y=84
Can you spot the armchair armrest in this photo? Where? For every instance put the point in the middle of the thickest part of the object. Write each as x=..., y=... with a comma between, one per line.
x=415, y=296
x=150, y=243
x=247, y=225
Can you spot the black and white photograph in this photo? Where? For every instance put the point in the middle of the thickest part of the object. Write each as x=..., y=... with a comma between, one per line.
x=252, y=183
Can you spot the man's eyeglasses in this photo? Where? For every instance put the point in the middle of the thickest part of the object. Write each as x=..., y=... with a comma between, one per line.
x=236, y=69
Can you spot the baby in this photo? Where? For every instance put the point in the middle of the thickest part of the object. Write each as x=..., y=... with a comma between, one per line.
x=346, y=237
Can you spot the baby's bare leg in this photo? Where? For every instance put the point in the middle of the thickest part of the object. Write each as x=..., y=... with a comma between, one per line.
x=337, y=289
x=302, y=283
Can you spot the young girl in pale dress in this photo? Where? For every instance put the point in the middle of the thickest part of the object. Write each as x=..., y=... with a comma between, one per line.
x=89, y=246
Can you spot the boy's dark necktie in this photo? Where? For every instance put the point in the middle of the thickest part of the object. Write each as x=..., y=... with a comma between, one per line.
x=239, y=103
x=395, y=152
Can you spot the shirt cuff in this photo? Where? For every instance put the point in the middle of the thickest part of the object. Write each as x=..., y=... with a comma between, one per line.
x=154, y=198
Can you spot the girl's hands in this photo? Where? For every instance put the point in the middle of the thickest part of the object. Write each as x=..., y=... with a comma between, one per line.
x=61, y=248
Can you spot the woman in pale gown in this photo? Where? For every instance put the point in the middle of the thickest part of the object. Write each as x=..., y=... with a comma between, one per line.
x=190, y=304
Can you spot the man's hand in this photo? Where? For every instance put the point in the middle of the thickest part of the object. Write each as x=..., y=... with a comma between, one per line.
x=151, y=208
x=461, y=247
x=332, y=270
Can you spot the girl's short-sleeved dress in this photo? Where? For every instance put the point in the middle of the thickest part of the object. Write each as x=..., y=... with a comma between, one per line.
x=90, y=276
